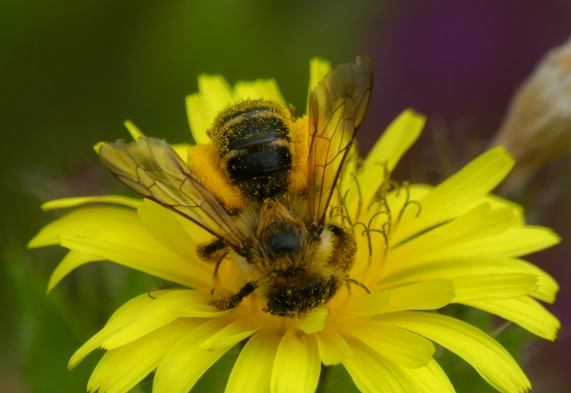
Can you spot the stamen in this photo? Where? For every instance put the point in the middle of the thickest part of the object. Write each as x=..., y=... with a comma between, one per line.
x=341, y=210
x=350, y=280
x=408, y=202
x=359, y=194
x=363, y=233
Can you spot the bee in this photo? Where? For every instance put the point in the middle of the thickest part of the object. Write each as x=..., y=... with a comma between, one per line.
x=291, y=253
x=253, y=141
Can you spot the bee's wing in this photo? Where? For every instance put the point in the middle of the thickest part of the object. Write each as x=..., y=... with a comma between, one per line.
x=151, y=167
x=337, y=106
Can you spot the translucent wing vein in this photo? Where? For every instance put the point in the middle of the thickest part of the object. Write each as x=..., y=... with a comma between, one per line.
x=151, y=168
x=337, y=107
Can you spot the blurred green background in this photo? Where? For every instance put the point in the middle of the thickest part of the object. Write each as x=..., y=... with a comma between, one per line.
x=72, y=72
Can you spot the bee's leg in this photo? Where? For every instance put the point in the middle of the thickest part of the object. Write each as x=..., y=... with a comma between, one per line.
x=218, y=263
x=213, y=251
x=150, y=293
x=165, y=285
x=232, y=301
x=350, y=281
x=215, y=279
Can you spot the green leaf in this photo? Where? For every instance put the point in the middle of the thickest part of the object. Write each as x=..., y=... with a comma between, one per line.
x=45, y=334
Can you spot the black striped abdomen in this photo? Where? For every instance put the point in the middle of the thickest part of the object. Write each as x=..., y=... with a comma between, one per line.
x=260, y=170
x=253, y=141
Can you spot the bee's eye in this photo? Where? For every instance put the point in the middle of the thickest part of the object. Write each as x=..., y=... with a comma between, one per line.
x=283, y=243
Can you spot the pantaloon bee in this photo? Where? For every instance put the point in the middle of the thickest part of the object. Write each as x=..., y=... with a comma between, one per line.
x=292, y=256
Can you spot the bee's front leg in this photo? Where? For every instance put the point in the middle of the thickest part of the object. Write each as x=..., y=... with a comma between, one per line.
x=212, y=251
x=229, y=302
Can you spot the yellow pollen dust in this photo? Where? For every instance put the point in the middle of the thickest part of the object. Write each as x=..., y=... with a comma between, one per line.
x=204, y=162
x=299, y=140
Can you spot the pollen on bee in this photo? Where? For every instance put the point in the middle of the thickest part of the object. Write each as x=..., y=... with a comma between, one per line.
x=300, y=141
x=204, y=162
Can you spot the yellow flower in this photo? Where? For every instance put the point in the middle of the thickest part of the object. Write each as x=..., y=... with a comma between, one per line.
x=419, y=248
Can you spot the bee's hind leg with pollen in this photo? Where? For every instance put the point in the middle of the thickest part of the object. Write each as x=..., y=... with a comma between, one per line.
x=229, y=302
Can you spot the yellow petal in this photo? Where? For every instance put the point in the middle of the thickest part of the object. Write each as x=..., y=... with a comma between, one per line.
x=513, y=242
x=133, y=129
x=71, y=261
x=464, y=268
x=485, y=287
x=318, y=68
x=253, y=368
x=432, y=379
x=198, y=119
x=120, y=318
x=261, y=88
x=547, y=287
x=214, y=94
x=88, y=220
x=525, y=312
x=497, y=202
x=185, y=363
x=201, y=309
x=488, y=357
x=232, y=333
x=367, y=304
x=458, y=193
x=142, y=252
x=121, y=369
x=454, y=238
x=296, y=365
x=372, y=372
x=97, y=147
x=65, y=203
x=314, y=321
x=388, y=150
x=117, y=234
x=333, y=348
x=399, y=345
x=425, y=295
x=157, y=313
x=164, y=225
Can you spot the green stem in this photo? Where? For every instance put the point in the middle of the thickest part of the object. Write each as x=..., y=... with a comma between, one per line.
x=322, y=378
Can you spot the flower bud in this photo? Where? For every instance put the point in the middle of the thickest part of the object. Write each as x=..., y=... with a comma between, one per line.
x=537, y=128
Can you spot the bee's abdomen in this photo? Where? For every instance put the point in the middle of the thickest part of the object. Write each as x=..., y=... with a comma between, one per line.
x=253, y=141
x=260, y=160
x=254, y=128
x=261, y=171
